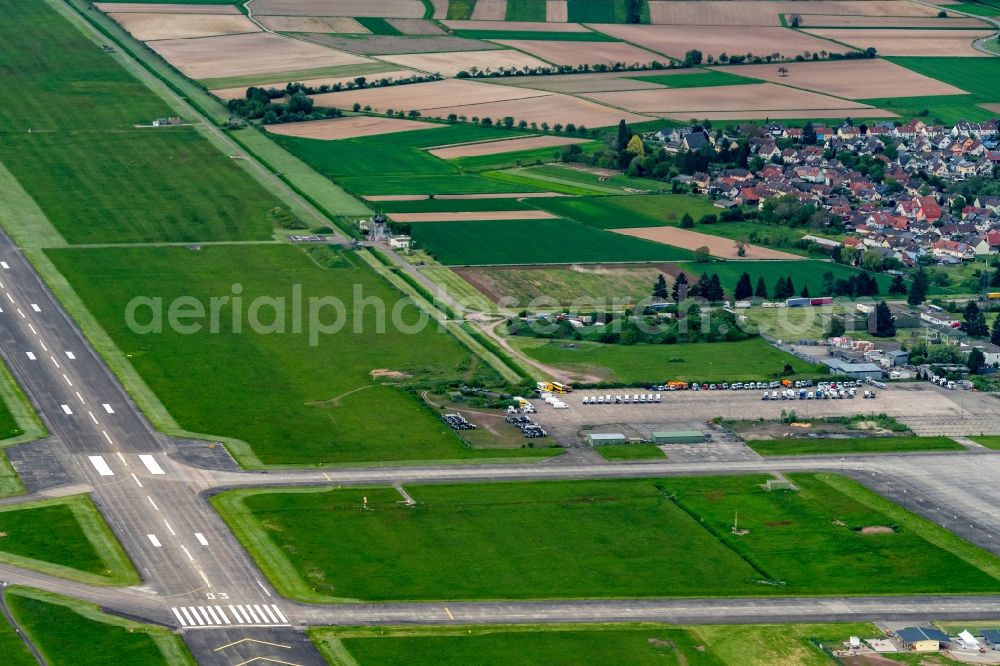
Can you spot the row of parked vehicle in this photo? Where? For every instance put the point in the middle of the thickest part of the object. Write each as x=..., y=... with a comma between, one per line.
x=458, y=422
x=635, y=399
x=824, y=391
x=528, y=428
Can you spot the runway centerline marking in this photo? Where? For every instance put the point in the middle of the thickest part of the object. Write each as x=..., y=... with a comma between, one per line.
x=136, y=479
x=9, y=297
x=54, y=361
x=263, y=588
x=153, y=540
x=171, y=530
x=33, y=331
x=44, y=348
x=101, y=465
x=152, y=502
x=184, y=548
x=21, y=312
x=67, y=379
x=93, y=418
x=80, y=398
x=107, y=436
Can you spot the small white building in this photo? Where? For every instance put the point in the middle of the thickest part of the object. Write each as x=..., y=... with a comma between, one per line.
x=400, y=242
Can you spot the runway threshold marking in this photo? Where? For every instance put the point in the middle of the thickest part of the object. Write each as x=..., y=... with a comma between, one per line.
x=30, y=355
x=108, y=408
x=101, y=465
x=34, y=306
x=66, y=410
x=201, y=538
x=4, y=265
x=153, y=540
x=71, y=356
x=151, y=464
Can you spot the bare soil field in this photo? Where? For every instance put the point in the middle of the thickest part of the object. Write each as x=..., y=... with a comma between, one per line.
x=258, y=53
x=313, y=24
x=240, y=92
x=396, y=44
x=995, y=108
x=953, y=21
x=853, y=79
x=375, y=8
x=910, y=42
x=552, y=109
x=473, y=216
x=450, y=64
x=777, y=115
x=409, y=26
x=433, y=94
x=519, y=26
x=505, y=146
x=724, y=248
x=582, y=53
x=493, y=195
x=750, y=97
x=766, y=12
x=440, y=8
x=145, y=27
x=490, y=10
x=348, y=128
x=157, y=8
x=676, y=40
x=556, y=11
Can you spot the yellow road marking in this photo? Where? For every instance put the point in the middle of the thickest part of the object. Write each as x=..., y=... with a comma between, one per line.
x=450, y=616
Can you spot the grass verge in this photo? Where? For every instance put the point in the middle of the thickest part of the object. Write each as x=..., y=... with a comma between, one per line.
x=85, y=549
x=832, y=445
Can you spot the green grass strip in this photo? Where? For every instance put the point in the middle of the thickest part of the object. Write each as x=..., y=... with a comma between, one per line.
x=830, y=445
x=95, y=529
x=68, y=631
x=378, y=26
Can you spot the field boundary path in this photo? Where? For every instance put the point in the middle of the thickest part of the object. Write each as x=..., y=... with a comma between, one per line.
x=978, y=44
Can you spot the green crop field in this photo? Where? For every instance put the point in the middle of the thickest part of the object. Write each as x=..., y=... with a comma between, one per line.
x=616, y=212
x=596, y=11
x=83, y=548
x=96, y=177
x=533, y=241
x=970, y=74
x=460, y=9
x=293, y=402
x=804, y=273
x=975, y=8
x=518, y=157
x=426, y=184
x=525, y=10
x=586, y=177
x=798, y=447
x=586, y=36
x=943, y=109
x=697, y=79
x=399, y=152
x=378, y=26
x=566, y=285
x=642, y=538
x=72, y=633
x=752, y=359
x=452, y=205
x=989, y=441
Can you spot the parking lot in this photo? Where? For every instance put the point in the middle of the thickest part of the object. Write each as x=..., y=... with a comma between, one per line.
x=925, y=408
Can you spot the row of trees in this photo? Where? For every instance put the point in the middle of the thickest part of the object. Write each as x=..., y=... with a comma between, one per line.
x=258, y=105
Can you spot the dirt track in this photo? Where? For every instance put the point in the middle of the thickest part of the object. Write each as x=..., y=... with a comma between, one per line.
x=889, y=42
x=348, y=128
x=506, y=146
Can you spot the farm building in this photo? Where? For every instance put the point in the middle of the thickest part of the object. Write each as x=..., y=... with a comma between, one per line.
x=606, y=439
x=853, y=370
x=921, y=639
x=679, y=437
x=898, y=357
